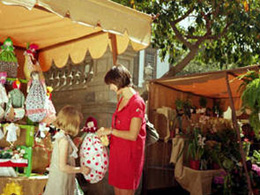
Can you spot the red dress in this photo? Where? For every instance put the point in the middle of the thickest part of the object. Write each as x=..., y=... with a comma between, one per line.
x=126, y=157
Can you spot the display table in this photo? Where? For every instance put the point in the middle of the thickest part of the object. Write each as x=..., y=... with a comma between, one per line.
x=30, y=185
x=197, y=182
x=13, y=162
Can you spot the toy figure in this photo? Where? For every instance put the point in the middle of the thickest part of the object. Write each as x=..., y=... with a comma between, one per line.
x=92, y=153
x=36, y=98
x=15, y=106
x=50, y=109
x=31, y=63
x=12, y=131
x=8, y=60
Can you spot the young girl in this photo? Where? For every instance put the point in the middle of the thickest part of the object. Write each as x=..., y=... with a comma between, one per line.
x=62, y=169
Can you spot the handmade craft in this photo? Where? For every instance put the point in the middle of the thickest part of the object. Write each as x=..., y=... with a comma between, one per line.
x=49, y=107
x=93, y=153
x=15, y=106
x=8, y=60
x=36, y=98
x=31, y=64
x=12, y=131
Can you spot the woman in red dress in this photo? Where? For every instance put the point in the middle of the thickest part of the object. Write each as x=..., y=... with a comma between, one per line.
x=128, y=133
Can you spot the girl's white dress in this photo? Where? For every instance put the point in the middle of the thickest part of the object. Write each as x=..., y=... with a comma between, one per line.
x=61, y=183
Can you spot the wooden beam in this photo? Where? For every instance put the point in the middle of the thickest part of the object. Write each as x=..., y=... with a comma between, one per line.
x=112, y=38
x=235, y=124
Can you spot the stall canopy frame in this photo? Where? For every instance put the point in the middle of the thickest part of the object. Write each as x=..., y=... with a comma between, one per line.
x=70, y=28
x=215, y=85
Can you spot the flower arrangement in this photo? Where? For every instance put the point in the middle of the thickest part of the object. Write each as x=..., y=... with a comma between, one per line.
x=196, y=145
x=12, y=153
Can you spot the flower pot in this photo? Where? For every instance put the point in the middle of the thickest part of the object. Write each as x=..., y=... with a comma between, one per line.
x=195, y=164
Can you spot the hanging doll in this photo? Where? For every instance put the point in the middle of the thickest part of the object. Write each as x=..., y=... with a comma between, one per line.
x=93, y=153
x=50, y=109
x=36, y=98
x=15, y=106
x=12, y=131
x=8, y=60
x=31, y=63
x=3, y=94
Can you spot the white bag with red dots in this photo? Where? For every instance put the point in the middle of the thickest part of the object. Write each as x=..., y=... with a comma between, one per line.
x=94, y=155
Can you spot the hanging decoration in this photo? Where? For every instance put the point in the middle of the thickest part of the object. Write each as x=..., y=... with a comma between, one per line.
x=31, y=63
x=8, y=60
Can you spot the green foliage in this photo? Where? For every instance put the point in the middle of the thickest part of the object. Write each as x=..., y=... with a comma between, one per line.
x=220, y=32
x=196, y=144
x=247, y=78
x=250, y=89
x=178, y=104
x=251, y=95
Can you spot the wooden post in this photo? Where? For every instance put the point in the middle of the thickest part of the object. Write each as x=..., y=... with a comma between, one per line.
x=112, y=38
x=234, y=120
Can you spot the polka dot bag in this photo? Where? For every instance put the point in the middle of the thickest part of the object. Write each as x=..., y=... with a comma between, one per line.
x=93, y=153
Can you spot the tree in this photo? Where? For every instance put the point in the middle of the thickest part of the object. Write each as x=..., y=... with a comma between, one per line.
x=212, y=31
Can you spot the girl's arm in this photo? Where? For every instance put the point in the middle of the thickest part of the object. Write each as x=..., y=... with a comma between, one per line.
x=63, y=155
x=132, y=134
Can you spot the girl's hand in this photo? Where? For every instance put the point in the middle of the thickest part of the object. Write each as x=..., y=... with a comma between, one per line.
x=103, y=131
x=85, y=170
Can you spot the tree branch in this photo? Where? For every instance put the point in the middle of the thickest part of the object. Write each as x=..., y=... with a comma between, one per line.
x=184, y=62
x=180, y=36
x=184, y=16
x=215, y=37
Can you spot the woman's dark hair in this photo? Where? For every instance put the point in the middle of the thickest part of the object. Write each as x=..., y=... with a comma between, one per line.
x=119, y=76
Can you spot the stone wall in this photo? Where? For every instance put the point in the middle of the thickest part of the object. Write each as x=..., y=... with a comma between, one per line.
x=89, y=94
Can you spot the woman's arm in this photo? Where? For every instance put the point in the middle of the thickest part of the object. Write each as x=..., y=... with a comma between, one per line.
x=132, y=134
x=63, y=155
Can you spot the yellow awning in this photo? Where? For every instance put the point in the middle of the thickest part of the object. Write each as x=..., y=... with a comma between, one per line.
x=73, y=27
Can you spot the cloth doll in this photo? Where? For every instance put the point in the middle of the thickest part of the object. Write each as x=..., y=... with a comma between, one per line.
x=15, y=106
x=92, y=153
x=50, y=109
x=3, y=94
x=8, y=60
x=36, y=98
x=12, y=131
x=31, y=63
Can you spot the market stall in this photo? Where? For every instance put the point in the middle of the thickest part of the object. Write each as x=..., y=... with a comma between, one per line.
x=206, y=96
x=58, y=30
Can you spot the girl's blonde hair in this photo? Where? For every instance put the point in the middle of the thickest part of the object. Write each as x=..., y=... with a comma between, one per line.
x=68, y=119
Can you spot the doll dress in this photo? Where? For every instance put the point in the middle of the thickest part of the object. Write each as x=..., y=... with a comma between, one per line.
x=11, y=132
x=8, y=60
x=59, y=182
x=50, y=111
x=3, y=95
x=35, y=101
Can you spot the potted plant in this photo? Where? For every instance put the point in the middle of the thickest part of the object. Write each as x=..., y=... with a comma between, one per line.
x=196, y=148
x=251, y=97
x=179, y=104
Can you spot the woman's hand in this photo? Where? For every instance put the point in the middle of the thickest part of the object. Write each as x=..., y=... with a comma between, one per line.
x=85, y=170
x=103, y=131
